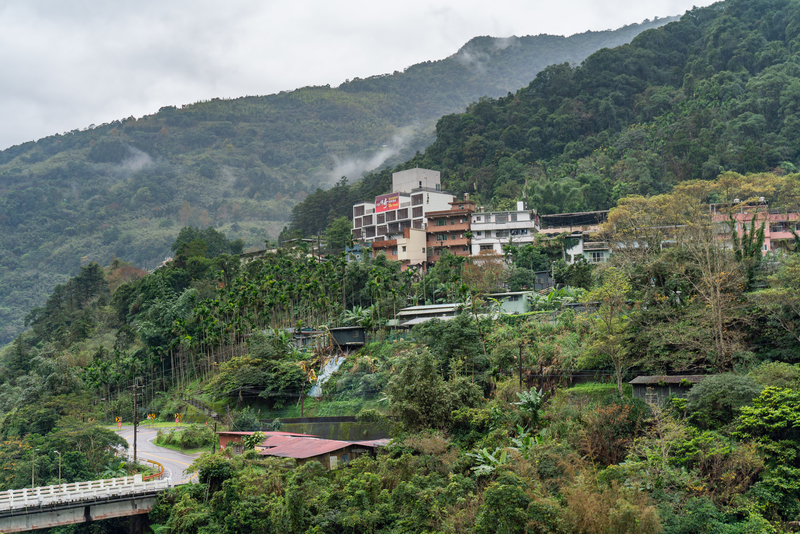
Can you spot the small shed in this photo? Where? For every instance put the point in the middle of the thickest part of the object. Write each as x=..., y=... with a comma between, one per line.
x=349, y=337
x=512, y=302
x=659, y=388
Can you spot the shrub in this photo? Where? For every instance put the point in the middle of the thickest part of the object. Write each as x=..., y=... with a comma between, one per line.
x=778, y=374
x=609, y=430
x=716, y=401
x=196, y=436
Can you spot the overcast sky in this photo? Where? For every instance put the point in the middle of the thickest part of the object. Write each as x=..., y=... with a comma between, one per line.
x=66, y=65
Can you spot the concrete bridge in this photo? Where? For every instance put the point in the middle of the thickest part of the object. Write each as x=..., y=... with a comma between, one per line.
x=51, y=506
x=83, y=502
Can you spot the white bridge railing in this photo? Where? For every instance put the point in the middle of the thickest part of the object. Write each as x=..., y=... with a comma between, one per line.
x=79, y=491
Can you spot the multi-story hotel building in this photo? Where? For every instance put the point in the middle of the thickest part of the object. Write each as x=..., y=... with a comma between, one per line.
x=415, y=192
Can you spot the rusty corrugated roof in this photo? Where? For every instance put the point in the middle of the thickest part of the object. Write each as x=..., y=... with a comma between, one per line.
x=301, y=448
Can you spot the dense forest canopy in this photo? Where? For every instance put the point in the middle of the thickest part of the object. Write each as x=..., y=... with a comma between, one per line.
x=716, y=91
x=125, y=188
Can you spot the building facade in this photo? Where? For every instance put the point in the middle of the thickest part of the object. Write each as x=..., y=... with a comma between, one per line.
x=447, y=231
x=493, y=230
x=580, y=230
x=408, y=247
x=778, y=224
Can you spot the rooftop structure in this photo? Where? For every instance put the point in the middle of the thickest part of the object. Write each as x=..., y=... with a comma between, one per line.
x=416, y=178
x=408, y=317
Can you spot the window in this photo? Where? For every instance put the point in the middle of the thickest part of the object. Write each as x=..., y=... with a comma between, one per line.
x=416, y=212
x=513, y=217
x=519, y=231
x=464, y=249
x=486, y=247
x=501, y=218
x=441, y=222
x=501, y=233
x=452, y=222
x=380, y=218
x=597, y=257
x=367, y=220
x=390, y=216
x=404, y=249
x=478, y=219
x=402, y=214
x=781, y=226
x=416, y=200
x=394, y=251
x=478, y=234
x=513, y=298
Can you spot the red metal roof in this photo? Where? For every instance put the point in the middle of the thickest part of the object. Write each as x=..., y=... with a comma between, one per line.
x=300, y=448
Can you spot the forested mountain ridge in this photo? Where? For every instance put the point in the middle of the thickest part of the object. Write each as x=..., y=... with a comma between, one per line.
x=123, y=189
x=716, y=91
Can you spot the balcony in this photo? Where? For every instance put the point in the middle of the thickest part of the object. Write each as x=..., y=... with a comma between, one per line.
x=596, y=245
x=458, y=227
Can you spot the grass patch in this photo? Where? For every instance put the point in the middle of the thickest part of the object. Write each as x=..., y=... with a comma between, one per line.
x=594, y=391
x=178, y=448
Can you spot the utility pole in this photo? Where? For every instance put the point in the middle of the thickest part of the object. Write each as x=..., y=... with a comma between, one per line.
x=135, y=387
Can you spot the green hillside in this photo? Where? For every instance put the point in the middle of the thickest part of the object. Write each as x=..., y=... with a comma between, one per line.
x=123, y=189
x=500, y=422
x=716, y=91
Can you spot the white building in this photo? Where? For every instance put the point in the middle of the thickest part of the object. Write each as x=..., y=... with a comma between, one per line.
x=405, y=207
x=581, y=230
x=492, y=230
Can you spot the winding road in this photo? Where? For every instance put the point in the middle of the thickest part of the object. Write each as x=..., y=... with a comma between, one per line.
x=174, y=462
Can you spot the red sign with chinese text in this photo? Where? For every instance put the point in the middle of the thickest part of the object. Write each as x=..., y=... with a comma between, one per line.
x=387, y=202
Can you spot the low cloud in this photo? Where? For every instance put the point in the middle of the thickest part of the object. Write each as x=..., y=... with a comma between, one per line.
x=354, y=168
x=477, y=58
x=135, y=162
